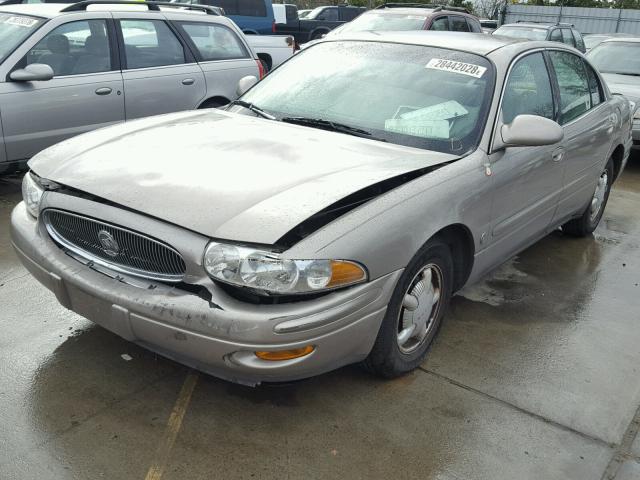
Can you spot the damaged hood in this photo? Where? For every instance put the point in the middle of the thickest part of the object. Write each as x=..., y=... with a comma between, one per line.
x=225, y=175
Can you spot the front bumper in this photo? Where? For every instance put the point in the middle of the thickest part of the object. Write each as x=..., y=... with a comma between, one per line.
x=217, y=335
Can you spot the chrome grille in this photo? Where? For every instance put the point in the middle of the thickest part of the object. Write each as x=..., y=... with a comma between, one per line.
x=114, y=247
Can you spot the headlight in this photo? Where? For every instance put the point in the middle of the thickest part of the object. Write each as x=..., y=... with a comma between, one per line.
x=31, y=194
x=270, y=273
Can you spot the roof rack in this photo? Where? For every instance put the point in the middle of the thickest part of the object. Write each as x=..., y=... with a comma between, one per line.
x=436, y=8
x=153, y=6
x=563, y=24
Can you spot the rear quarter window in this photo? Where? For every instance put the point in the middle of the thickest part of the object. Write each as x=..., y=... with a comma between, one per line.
x=213, y=41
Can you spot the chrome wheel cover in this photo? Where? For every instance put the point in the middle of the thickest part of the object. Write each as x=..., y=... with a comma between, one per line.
x=420, y=308
x=599, y=195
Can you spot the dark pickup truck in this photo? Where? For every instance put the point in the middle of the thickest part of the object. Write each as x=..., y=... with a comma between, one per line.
x=317, y=23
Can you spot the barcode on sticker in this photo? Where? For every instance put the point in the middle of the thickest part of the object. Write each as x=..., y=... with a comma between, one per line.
x=21, y=21
x=456, y=67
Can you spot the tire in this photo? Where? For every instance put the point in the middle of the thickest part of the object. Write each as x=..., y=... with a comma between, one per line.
x=317, y=35
x=390, y=356
x=589, y=220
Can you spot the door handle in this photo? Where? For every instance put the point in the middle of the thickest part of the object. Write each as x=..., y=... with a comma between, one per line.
x=103, y=91
x=558, y=155
x=188, y=81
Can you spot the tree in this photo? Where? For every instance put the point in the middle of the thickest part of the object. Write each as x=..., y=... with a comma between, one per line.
x=489, y=8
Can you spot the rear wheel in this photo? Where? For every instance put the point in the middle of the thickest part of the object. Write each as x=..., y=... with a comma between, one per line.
x=590, y=218
x=414, y=313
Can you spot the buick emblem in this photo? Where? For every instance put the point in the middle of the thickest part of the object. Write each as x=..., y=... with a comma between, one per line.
x=109, y=244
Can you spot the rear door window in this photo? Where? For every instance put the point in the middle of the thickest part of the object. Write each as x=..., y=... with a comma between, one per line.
x=329, y=14
x=150, y=43
x=474, y=26
x=459, y=24
x=347, y=14
x=440, y=24
x=213, y=41
x=567, y=37
x=575, y=96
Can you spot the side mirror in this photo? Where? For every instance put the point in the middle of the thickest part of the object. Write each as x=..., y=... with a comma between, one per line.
x=32, y=72
x=530, y=131
x=245, y=83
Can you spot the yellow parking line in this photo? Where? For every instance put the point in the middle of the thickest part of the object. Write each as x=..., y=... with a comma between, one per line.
x=173, y=428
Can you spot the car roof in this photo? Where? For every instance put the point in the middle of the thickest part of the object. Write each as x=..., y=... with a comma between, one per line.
x=530, y=25
x=426, y=11
x=479, y=43
x=622, y=39
x=51, y=10
x=46, y=10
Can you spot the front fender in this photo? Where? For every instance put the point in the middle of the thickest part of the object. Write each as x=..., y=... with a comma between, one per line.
x=385, y=233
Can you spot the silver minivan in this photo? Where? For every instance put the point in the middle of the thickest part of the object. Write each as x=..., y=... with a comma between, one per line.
x=68, y=69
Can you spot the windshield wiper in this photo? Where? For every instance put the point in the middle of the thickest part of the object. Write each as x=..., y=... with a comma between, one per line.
x=253, y=108
x=331, y=126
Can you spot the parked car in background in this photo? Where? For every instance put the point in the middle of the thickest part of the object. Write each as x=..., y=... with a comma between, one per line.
x=304, y=12
x=592, y=40
x=327, y=216
x=272, y=50
x=488, y=26
x=395, y=17
x=554, y=32
x=618, y=60
x=60, y=74
x=254, y=17
x=318, y=22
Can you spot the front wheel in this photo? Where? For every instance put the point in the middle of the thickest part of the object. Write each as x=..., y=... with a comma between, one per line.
x=590, y=218
x=414, y=313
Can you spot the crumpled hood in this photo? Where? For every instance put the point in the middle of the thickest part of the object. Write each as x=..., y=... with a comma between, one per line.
x=225, y=175
x=626, y=85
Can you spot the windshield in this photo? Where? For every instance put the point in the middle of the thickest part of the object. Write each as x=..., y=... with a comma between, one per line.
x=616, y=57
x=424, y=97
x=14, y=29
x=378, y=22
x=530, y=33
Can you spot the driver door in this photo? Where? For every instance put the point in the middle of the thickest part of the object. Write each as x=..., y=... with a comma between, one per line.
x=527, y=180
x=84, y=94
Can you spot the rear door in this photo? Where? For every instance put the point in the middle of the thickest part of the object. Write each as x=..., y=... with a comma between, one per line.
x=223, y=56
x=588, y=122
x=86, y=92
x=160, y=73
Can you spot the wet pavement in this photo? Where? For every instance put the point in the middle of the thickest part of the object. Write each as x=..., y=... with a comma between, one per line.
x=535, y=375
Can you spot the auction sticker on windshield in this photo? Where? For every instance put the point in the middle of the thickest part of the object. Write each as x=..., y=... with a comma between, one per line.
x=21, y=21
x=456, y=67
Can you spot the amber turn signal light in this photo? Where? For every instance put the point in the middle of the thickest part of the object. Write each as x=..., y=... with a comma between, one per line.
x=280, y=355
x=345, y=273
